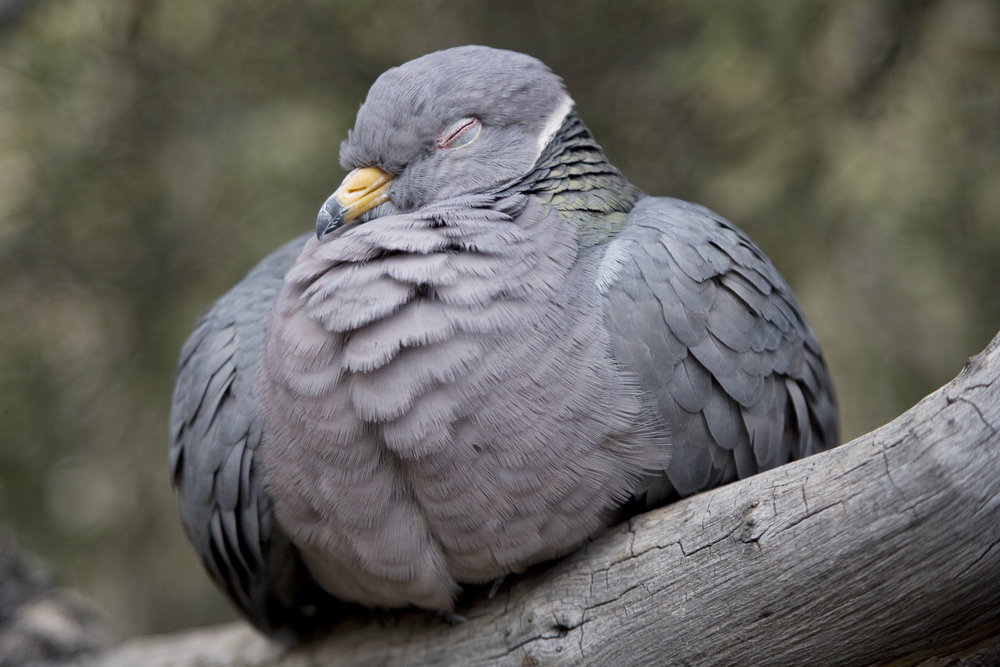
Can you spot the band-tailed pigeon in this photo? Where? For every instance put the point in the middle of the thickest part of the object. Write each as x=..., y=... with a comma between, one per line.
x=492, y=344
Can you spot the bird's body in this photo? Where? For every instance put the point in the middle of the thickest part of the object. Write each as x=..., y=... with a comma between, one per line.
x=505, y=346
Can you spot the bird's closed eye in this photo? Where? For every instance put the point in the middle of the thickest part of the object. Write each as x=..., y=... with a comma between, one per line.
x=461, y=133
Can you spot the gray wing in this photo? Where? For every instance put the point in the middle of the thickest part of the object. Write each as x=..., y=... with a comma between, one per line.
x=214, y=430
x=719, y=344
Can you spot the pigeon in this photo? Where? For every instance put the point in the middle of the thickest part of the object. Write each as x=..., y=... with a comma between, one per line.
x=492, y=348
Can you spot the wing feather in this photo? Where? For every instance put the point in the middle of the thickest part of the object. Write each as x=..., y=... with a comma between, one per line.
x=727, y=358
x=214, y=429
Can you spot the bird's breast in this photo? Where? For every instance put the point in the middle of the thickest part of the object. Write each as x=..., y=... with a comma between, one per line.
x=444, y=416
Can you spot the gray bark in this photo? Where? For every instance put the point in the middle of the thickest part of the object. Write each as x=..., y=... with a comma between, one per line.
x=883, y=549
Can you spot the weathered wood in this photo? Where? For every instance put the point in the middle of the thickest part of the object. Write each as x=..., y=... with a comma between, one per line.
x=886, y=549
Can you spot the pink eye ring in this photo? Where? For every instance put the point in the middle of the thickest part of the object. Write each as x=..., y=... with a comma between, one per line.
x=460, y=133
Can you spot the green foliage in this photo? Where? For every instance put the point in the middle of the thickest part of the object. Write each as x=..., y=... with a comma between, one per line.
x=152, y=151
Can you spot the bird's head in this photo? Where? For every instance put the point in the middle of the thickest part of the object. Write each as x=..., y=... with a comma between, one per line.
x=461, y=121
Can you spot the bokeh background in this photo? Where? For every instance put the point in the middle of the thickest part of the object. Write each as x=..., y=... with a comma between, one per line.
x=151, y=151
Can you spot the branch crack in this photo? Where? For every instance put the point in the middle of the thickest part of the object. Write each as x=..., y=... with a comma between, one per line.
x=981, y=556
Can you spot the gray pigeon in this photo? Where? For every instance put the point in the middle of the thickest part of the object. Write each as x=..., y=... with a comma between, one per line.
x=492, y=348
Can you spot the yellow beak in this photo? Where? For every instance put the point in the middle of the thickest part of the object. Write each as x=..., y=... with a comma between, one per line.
x=363, y=189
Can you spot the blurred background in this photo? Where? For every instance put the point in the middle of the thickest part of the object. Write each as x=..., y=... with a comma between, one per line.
x=152, y=151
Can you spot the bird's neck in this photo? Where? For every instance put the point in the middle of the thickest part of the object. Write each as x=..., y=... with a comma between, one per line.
x=573, y=176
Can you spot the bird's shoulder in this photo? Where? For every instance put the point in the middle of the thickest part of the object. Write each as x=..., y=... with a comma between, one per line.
x=680, y=251
x=699, y=313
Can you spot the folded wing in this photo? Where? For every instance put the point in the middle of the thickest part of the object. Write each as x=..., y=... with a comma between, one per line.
x=719, y=344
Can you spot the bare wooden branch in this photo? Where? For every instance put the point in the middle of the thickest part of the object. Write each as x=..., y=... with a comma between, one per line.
x=886, y=549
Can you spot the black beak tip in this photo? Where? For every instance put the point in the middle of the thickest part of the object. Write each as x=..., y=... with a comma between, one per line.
x=331, y=216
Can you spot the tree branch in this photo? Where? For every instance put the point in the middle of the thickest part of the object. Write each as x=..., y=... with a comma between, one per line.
x=883, y=549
